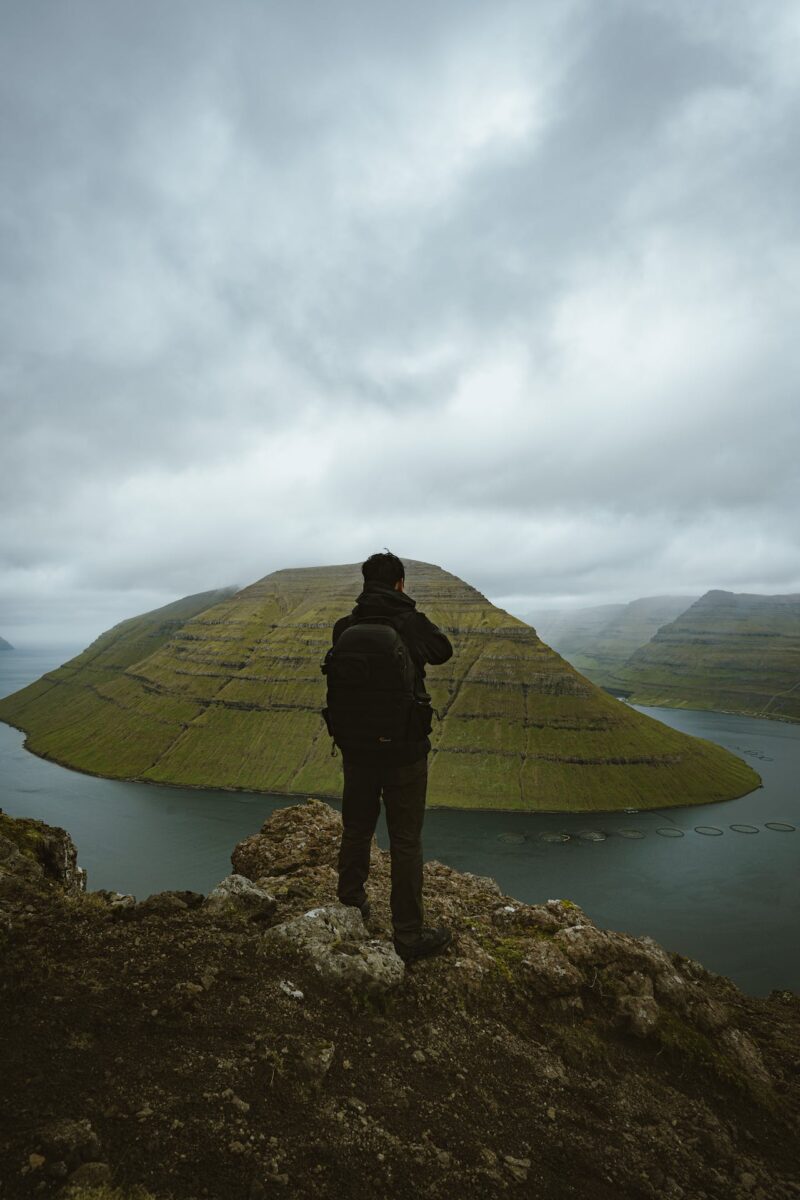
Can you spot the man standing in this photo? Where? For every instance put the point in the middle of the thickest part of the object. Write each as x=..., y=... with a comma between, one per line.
x=379, y=714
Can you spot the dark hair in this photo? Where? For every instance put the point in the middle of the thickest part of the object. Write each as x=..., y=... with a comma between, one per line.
x=385, y=568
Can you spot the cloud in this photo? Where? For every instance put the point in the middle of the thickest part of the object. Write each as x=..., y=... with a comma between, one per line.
x=512, y=288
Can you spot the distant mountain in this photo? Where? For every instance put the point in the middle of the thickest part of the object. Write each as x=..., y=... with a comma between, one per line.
x=224, y=691
x=4, y=645
x=729, y=651
x=598, y=641
x=573, y=632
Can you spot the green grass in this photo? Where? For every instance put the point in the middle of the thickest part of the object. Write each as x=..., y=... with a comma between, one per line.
x=728, y=652
x=224, y=691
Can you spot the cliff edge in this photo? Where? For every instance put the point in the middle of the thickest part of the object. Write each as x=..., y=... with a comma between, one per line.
x=261, y=1041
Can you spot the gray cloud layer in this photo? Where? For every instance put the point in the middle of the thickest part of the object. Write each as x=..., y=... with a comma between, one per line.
x=512, y=288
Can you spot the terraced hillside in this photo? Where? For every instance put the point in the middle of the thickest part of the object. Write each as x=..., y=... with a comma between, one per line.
x=729, y=651
x=230, y=699
x=598, y=641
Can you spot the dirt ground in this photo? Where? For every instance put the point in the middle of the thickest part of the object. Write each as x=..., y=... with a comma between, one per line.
x=185, y=1052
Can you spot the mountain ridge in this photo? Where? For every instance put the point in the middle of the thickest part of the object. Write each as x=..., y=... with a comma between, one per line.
x=730, y=651
x=598, y=641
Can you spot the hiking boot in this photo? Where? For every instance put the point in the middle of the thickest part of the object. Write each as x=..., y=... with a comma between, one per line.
x=430, y=941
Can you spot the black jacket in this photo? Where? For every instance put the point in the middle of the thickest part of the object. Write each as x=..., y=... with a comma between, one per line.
x=426, y=644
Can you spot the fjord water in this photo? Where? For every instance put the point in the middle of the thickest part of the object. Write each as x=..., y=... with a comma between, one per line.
x=726, y=897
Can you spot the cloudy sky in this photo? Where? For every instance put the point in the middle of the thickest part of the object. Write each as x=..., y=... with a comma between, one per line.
x=509, y=287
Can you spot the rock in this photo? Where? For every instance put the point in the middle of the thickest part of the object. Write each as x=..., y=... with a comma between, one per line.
x=551, y=1114
x=419, y=1056
x=47, y=847
x=567, y=913
x=584, y=944
x=90, y=1175
x=316, y=1060
x=237, y=894
x=747, y=1055
x=299, y=836
x=518, y=1167
x=639, y=1014
x=671, y=986
x=709, y=1015
x=35, y=1161
x=333, y=939
x=288, y=988
x=161, y=904
x=546, y=970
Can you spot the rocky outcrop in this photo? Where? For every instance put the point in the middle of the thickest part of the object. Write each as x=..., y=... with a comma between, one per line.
x=39, y=851
x=237, y=894
x=334, y=941
x=187, y=1045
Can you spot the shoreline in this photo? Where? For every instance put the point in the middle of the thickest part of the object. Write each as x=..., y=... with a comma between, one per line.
x=337, y=799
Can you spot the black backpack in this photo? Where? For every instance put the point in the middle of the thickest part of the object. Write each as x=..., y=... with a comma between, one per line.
x=372, y=698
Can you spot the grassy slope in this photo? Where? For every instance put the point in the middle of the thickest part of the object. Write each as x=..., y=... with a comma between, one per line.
x=729, y=651
x=230, y=698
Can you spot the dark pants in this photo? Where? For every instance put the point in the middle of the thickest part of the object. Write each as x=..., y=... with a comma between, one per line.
x=403, y=788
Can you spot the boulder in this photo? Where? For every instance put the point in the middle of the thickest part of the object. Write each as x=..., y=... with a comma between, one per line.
x=300, y=836
x=547, y=971
x=334, y=940
x=236, y=894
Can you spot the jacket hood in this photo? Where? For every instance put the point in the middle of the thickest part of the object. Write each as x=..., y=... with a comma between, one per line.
x=381, y=600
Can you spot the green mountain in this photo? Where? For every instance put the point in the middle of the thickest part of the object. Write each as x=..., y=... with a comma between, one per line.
x=224, y=691
x=4, y=645
x=598, y=641
x=729, y=651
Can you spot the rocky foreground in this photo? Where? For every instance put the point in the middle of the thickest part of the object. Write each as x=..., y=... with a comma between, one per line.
x=262, y=1042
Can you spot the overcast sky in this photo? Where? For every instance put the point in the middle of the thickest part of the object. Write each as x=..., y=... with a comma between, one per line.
x=509, y=287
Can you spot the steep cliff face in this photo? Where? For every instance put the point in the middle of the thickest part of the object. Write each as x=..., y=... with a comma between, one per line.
x=229, y=697
x=729, y=651
x=263, y=1041
x=599, y=641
